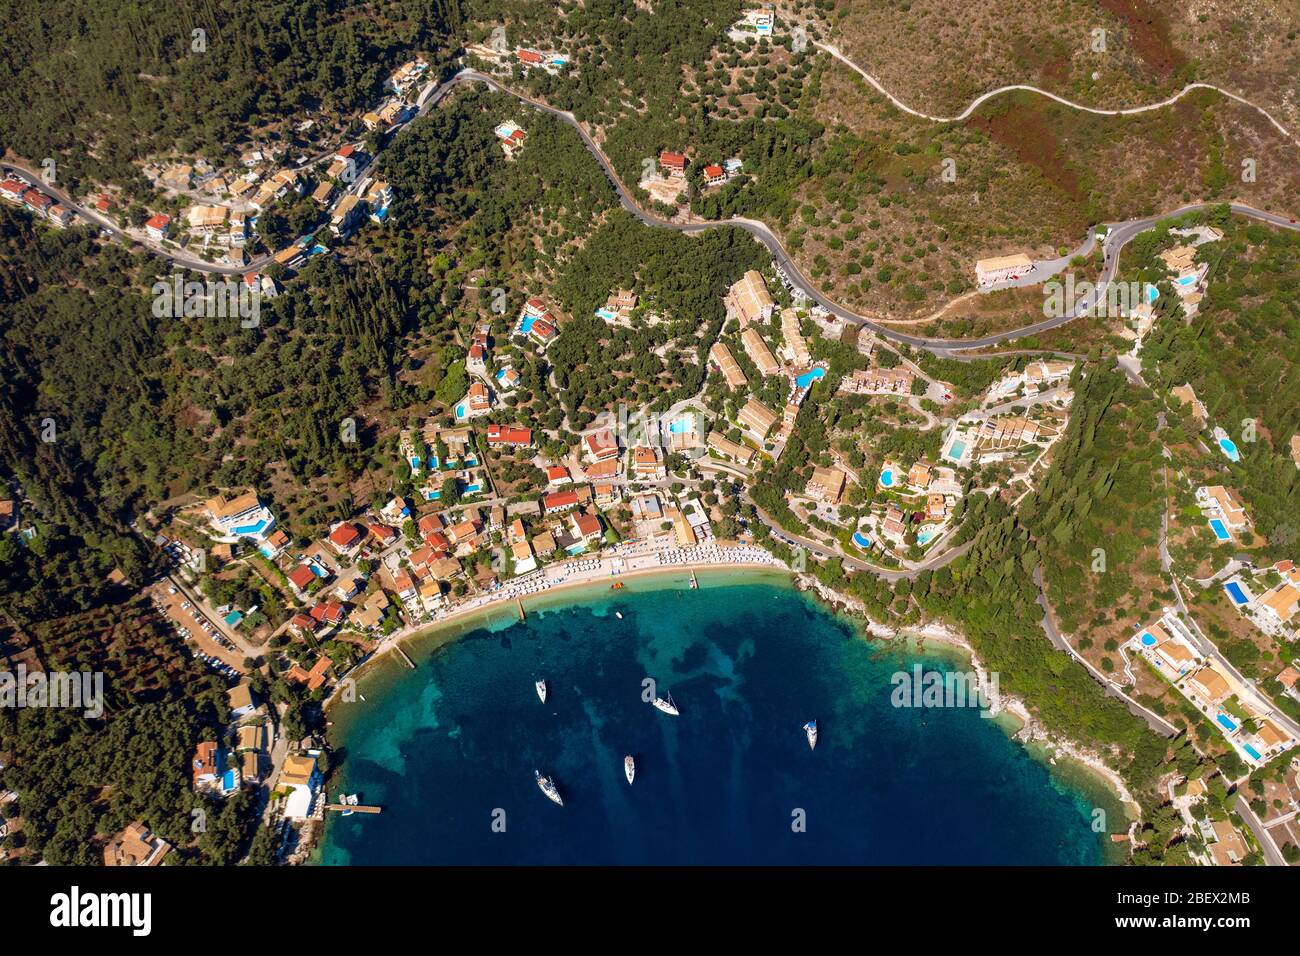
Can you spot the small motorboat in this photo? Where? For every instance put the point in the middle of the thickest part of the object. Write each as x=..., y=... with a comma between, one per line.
x=810, y=729
x=629, y=767
x=541, y=689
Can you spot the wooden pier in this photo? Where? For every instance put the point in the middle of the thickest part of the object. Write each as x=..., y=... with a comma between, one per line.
x=402, y=654
x=519, y=602
x=357, y=809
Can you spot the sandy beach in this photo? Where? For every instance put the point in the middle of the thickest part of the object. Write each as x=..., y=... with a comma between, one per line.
x=564, y=587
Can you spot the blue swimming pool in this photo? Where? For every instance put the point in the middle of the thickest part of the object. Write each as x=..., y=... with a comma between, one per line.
x=606, y=313
x=1148, y=640
x=473, y=489
x=1219, y=530
x=1186, y=280
x=233, y=618
x=679, y=426
x=228, y=780
x=926, y=534
x=255, y=528
x=1252, y=751
x=318, y=571
x=861, y=540
x=807, y=378
x=887, y=478
x=415, y=462
x=1226, y=723
x=460, y=411
x=1152, y=294
x=526, y=324
x=1235, y=592
x=956, y=450
x=1230, y=449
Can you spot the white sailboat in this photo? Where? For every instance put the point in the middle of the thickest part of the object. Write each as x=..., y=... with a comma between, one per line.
x=548, y=787
x=668, y=706
x=541, y=689
x=629, y=767
x=810, y=729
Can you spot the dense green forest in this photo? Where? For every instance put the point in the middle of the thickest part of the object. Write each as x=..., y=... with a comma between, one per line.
x=100, y=86
x=1241, y=353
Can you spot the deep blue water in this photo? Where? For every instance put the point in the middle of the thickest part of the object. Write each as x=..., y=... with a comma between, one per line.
x=443, y=747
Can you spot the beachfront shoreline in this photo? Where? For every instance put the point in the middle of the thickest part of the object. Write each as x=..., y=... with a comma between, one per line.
x=483, y=612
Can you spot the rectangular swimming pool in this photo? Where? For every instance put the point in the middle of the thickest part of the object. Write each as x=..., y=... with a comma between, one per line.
x=1219, y=530
x=1226, y=723
x=1235, y=592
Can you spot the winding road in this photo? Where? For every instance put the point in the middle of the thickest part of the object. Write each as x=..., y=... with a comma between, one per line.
x=1118, y=236
x=991, y=94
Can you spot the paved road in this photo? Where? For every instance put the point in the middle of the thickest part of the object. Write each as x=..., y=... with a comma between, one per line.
x=818, y=550
x=1272, y=855
x=1120, y=234
x=1154, y=720
x=985, y=97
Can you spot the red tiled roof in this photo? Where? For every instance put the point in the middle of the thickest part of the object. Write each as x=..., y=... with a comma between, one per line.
x=301, y=576
x=587, y=525
x=345, y=535
x=383, y=532
x=330, y=612
x=205, y=759
x=530, y=56
x=158, y=221
x=303, y=622
x=673, y=160
x=560, y=499
x=316, y=676
x=509, y=435
x=713, y=172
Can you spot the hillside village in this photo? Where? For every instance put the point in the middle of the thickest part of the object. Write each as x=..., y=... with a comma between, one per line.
x=809, y=442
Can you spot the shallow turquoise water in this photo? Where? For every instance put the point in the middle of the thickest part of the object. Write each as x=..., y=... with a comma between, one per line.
x=451, y=747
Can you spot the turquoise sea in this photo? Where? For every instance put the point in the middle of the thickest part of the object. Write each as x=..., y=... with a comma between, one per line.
x=449, y=749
